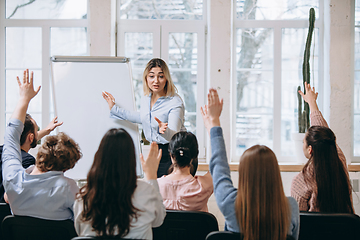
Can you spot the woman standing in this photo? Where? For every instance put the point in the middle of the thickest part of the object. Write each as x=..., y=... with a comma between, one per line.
x=161, y=112
x=323, y=185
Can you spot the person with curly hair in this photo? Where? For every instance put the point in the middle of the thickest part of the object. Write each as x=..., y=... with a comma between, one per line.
x=41, y=190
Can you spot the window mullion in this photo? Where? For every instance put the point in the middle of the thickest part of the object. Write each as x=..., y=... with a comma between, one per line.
x=277, y=91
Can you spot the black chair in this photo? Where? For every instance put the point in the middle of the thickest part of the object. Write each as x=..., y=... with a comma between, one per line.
x=329, y=226
x=4, y=211
x=188, y=225
x=101, y=238
x=226, y=235
x=29, y=228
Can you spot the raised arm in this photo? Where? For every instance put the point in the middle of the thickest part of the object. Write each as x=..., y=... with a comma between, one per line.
x=11, y=156
x=50, y=127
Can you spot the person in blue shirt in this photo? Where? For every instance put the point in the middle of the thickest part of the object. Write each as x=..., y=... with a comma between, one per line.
x=259, y=208
x=41, y=190
x=28, y=139
x=161, y=112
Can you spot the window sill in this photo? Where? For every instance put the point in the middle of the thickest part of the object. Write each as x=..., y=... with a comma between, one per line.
x=283, y=168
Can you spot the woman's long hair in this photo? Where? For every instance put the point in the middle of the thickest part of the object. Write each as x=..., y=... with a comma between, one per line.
x=111, y=183
x=184, y=149
x=332, y=180
x=262, y=209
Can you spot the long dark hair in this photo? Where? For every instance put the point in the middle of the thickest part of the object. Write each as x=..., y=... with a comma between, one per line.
x=184, y=149
x=111, y=183
x=332, y=180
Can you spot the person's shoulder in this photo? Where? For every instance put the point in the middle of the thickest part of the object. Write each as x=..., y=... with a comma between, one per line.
x=293, y=203
x=176, y=99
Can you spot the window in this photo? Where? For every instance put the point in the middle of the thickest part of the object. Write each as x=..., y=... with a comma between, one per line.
x=31, y=32
x=268, y=62
x=174, y=31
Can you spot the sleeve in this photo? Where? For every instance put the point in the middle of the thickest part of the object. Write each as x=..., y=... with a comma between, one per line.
x=175, y=121
x=122, y=114
x=73, y=190
x=77, y=215
x=295, y=218
x=225, y=192
x=160, y=211
x=11, y=156
x=317, y=119
x=300, y=192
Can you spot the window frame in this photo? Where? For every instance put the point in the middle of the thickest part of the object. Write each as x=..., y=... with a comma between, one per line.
x=45, y=25
x=277, y=26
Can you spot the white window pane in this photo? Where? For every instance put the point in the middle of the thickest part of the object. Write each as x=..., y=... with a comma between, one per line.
x=293, y=46
x=161, y=9
x=357, y=12
x=254, y=88
x=12, y=90
x=183, y=67
x=46, y=9
x=23, y=47
x=277, y=9
x=139, y=48
x=68, y=41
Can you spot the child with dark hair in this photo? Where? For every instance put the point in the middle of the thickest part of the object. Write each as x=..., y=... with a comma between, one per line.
x=180, y=189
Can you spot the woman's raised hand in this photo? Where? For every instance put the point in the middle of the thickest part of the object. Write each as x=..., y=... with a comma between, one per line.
x=109, y=99
x=310, y=97
x=162, y=126
x=212, y=111
x=150, y=166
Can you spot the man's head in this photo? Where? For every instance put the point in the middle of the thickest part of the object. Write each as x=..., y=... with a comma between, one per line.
x=29, y=135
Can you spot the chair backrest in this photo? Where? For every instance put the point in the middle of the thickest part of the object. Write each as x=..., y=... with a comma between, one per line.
x=329, y=226
x=4, y=211
x=23, y=227
x=187, y=225
x=101, y=238
x=226, y=235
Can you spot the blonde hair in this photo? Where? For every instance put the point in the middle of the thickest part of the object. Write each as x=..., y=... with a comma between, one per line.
x=261, y=207
x=169, y=88
x=58, y=153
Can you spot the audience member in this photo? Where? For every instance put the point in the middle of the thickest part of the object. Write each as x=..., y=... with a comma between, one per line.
x=323, y=185
x=258, y=208
x=42, y=190
x=180, y=189
x=114, y=202
x=28, y=139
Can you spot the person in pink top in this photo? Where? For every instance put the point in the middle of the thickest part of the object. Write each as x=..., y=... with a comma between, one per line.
x=180, y=189
x=323, y=185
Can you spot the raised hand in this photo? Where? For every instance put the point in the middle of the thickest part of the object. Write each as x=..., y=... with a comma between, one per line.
x=50, y=127
x=26, y=92
x=109, y=99
x=150, y=166
x=162, y=126
x=310, y=97
x=26, y=88
x=212, y=111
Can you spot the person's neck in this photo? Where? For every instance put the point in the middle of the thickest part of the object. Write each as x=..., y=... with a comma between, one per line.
x=155, y=97
x=179, y=173
x=25, y=147
x=36, y=171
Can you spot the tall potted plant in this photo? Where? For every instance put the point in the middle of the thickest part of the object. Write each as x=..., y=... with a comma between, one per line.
x=304, y=112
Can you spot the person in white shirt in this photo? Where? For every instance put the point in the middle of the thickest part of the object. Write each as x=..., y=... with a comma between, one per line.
x=114, y=202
